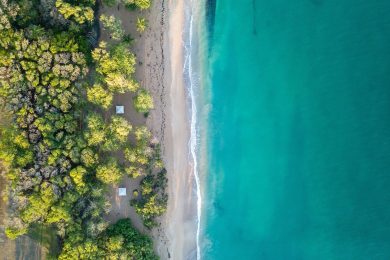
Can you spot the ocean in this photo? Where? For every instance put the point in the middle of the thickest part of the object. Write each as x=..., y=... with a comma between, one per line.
x=294, y=122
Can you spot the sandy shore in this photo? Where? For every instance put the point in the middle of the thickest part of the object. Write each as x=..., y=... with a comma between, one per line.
x=170, y=121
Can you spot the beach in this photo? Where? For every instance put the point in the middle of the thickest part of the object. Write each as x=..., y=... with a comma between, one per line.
x=171, y=122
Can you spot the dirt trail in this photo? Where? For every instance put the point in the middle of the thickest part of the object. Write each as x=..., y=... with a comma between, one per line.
x=147, y=74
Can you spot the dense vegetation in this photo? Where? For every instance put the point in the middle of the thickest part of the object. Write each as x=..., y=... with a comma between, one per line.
x=58, y=150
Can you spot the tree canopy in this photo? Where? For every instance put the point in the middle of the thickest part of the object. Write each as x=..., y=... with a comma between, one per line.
x=143, y=101
x=58, y=148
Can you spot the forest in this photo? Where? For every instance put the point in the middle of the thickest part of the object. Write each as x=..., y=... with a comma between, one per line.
x=57, y=149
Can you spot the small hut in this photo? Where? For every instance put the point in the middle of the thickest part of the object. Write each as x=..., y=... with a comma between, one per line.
x=122, y=192
x=120, y=110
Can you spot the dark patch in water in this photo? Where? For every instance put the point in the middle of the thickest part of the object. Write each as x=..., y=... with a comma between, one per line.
x=210, y=17
x=218, y=208
x=254, y=17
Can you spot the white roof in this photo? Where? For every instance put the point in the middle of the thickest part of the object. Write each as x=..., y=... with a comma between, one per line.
x=122, y=191
x=120, y=109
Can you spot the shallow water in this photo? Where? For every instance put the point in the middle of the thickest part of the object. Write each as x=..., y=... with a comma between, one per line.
x=299, y=131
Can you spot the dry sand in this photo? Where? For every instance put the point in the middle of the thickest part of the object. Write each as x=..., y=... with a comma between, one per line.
x=179, y=224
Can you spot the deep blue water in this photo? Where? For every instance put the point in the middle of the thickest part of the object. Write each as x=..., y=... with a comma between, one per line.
x=298, y=131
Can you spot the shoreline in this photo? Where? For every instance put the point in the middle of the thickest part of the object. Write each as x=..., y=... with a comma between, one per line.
x=171, y=122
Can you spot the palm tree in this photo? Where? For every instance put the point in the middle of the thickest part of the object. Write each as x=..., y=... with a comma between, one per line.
x=141, y=24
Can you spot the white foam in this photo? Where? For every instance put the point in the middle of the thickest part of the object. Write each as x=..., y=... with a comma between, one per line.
x=193, y=142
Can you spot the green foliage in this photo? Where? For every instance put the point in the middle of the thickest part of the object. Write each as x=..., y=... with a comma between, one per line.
x=131, y=4
x=113, y=25
x=14, y=148
x=13, y=233
x=27, y=13
x=83, y=251
x=116, y=67
x=142, y=24
x=142, y=135
x=142, y=4
x=39, y=204
x=53, y=151
x=79, y=13
x=143, y=102
x=95, y=135
x=152, y=201
x=119, y=129
x=109, y=173
x=78, y=174
x=59, y=213
x=120, y=241
x=109, y=137
x=110, y=3
x=89, y=158
x=100, y=96
x=133, y=244
x=138, y=155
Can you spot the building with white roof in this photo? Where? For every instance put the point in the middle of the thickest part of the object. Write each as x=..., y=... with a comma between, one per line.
x=122, y=192
x=120, y=110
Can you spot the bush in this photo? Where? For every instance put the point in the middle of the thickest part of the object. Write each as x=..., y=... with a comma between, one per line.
x=143, y=102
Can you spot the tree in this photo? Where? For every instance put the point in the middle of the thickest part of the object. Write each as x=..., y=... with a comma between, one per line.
x=50, y=154
x=89, y=158
x=96, y=133
x=113, y=25
x=98, y=95
x=58, y=213
x=142, y=134
x=39, y=204
x=119, y=83
x=135, y=172
x=81, y=250
x=123, y=59
x=77, y=174
x=153, y=199
x=79, y=13
x=116, y=67
x=142, y=4
x=143, y=102
x=119, y=129
x=134, y=244
x=13, y=233
x=142, y=24
x=109, y=173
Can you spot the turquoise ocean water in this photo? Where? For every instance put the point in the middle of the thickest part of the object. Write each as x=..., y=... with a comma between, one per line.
x=298, y=133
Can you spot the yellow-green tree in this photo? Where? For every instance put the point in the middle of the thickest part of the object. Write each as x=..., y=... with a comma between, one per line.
x=142, y=24
x=109, y=173
x=116, y=68
x=113, y=25
x=96, y=132
x=142, y=4
x=100, y=96
x=89, y=158
x=78, y=13
x=143, y=102
x=77, y=174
